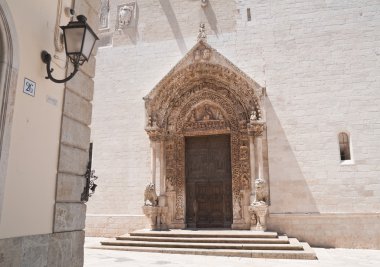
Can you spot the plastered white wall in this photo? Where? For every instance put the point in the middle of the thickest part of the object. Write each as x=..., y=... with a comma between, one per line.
x=30, y=182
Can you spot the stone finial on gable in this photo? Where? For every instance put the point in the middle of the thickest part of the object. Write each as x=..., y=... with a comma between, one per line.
x=202, y=32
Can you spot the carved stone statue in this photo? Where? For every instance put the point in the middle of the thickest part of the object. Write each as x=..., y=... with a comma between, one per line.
x=125, y=16
x=207, y=113
x=259, y=207
x=202, y=32
x=206, y=54
x=197, y=55
x=261, y=191
x=193, y=117
x=150, y=195
x=244, y=181
x=150, y=121
x=104, y=11
x=204, y=3
x=253, y=117
x=236, y=209
x=170, y=181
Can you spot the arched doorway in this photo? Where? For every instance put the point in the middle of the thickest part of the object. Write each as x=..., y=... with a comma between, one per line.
x=8, y=75
x=202, y=99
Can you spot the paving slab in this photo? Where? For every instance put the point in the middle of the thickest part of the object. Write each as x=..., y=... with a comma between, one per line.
x=326, y=258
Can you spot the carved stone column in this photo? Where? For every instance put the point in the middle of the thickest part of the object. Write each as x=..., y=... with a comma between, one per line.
x=162, y=198
x=259, y=156
x=155, y=137
x=156, y=212
x=252, y=164
x=162, y=168
x=153, y=155
x=259, y=208
x=255, y=132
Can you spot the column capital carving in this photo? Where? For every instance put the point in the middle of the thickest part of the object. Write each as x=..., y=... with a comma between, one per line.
x=155, y=133
x=256, y=128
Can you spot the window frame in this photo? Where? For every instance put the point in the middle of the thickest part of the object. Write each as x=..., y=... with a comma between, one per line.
x=349, y=161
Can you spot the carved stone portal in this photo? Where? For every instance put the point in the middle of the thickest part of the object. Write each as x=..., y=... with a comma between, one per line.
x=204, y=94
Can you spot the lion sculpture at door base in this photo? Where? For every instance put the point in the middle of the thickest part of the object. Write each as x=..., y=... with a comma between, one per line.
x=150, y=195
x=261, y=193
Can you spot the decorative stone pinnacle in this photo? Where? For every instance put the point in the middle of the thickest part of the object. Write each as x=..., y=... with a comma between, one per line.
x=202, y=32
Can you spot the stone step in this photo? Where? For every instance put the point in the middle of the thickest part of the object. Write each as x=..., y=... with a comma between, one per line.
x=234, y=243
x=293, y=245
x=307, y=253
x=279, y=240
x=205, y=233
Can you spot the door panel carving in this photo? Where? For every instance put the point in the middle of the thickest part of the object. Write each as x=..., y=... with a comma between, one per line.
x=208, y=181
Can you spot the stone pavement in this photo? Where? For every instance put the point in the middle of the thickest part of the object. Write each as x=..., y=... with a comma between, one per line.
x=326, y=258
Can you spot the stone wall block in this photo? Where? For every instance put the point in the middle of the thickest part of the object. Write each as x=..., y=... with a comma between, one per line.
x=69, y=217
x=75, y=133
x=66, y=249
x=72, y=160
x=69, y=187
x=95, y=4
x=88, y=68
x=111, y=226
x=77, y=107
x=35, y=250
x=89, y=8
x=10, y=251
x=82, y=85
x=344, y=230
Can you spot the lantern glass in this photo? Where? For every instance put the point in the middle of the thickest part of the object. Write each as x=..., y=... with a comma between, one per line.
x=88, y=44
x=74, y=38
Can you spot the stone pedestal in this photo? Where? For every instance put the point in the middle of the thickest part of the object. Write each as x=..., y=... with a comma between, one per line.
x=153, y=213
x=157, y=217
x=258, y=211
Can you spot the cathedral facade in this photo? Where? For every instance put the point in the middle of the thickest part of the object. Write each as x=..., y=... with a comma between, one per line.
x=238, y=115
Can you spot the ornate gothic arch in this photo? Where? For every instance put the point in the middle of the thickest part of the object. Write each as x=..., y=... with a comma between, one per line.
x=204, y=94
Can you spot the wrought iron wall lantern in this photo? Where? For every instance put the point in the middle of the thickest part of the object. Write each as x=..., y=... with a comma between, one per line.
x=79, y=41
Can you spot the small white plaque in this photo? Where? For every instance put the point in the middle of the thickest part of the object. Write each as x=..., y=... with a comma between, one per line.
x=29, y=87
x=51, y=100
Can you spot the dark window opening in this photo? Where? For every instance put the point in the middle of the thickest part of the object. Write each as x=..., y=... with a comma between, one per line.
x=344, y=146
x=248, y=14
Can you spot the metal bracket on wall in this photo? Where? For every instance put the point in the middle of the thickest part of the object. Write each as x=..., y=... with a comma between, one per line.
x=90, y=179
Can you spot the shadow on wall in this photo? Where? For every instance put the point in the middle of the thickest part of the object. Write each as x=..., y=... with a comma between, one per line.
x=168, y=10
x=211, y=18
x=289, y=191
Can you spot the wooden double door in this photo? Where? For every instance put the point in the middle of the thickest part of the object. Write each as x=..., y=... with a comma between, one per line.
x=208, y=182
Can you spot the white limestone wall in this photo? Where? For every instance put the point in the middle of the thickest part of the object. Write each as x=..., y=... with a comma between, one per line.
x=319, y=61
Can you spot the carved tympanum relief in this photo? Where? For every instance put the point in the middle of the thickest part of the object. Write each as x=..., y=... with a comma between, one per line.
x=205, y=116
x=204, y=94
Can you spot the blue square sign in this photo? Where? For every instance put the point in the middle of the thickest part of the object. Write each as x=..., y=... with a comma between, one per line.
x=29, y=87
